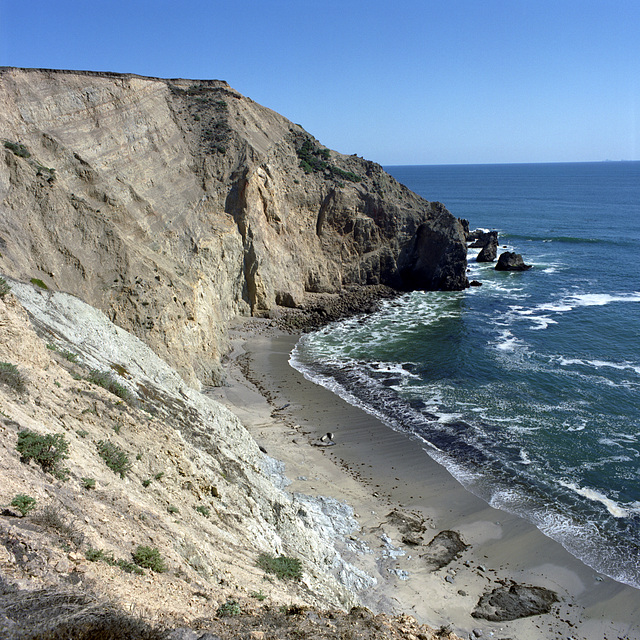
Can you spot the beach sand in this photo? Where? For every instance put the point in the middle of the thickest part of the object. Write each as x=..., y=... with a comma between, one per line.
x=376, y=470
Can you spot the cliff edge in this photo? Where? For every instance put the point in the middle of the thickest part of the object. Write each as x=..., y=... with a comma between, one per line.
x=175, y=205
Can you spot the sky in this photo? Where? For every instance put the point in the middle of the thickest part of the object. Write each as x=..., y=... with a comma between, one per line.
x=397, y=82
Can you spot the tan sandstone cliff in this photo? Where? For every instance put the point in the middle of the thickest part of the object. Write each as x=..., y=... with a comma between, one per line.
x=174, y=205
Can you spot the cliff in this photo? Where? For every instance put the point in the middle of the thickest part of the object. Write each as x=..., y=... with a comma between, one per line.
x=175, y=205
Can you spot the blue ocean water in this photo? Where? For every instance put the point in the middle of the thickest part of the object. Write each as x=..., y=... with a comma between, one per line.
x=527, y=389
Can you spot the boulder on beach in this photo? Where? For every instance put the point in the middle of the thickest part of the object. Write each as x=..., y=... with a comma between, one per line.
x=513, y=602
x=510, y=261
x=443, y=549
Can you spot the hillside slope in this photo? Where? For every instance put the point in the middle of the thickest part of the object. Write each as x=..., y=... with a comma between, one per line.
x=149, y=462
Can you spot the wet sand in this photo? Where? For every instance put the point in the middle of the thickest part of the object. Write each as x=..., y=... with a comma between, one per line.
x=375, y=470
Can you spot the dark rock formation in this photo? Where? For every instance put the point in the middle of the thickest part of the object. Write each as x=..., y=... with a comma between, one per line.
x=515, y=601
x=479, y=238
x=443, y=549
x=488, y=253
x=431, y=260
x=510, y=261
x=487, y=241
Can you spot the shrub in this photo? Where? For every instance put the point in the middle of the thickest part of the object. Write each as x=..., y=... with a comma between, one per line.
x=105, y=380
x=99, y=555
x=149, y=558
x=284, y=567
x=228, y=609
x=146, y=483
x=173, y=509
x=88, y=483
x=47, y=451
x=23, y=503
x=69, y=355
x=129, y=567
x=114, y=457
x=38, y=283
x=203, y=510
x=4, y=288
x=17, y=148
x=10, y=376
x=94, y=555
x=159, y=475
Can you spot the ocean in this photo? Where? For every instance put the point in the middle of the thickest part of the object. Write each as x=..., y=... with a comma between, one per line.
x=527, y=388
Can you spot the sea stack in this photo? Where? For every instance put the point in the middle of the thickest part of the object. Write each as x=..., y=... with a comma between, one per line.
x=510, y=261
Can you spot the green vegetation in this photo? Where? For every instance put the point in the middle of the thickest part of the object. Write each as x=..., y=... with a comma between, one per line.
x=315, y=159
x=258, y=595
x=47, y=172
x=94, y=555
x=129, y=567
x=173, y=509
x=205, y=511
x=38, y=283
x=149, y=558
x=4, y=288
x=69, y=355
x=345, y=175
x=17, y=148
x=284, y=567
x=105, y=380
x=23, y=503
x=48, y=451
x=10, y=376
x=82, y=433
x=114, y=457
x=99, y=555
x=88, y=483
x=228, y=609
x=146, y=483
x=159, y=475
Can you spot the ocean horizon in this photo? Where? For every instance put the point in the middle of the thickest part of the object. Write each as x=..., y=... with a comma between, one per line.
x=525, y=388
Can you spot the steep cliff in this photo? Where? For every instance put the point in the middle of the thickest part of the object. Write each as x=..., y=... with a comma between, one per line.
x=174, y=205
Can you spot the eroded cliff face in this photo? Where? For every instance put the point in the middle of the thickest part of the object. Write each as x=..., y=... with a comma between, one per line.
x=175, y=205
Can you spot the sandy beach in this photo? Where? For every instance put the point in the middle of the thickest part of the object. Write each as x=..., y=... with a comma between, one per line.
x=385, y=476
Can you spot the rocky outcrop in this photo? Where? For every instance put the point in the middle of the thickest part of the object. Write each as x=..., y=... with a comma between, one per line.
x=510, y=261
x=175, y=205
x=487, y=241
x=445, y=547
x=514, y=601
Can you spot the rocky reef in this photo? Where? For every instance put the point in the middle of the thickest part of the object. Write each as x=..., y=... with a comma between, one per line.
x=175, y=205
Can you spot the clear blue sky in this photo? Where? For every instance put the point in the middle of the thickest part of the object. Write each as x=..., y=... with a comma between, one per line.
x=400, y=82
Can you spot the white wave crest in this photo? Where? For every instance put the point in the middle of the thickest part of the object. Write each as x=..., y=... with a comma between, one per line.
x=600, y=299
x=616, y=510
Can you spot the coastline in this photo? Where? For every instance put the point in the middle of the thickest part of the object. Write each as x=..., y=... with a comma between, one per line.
x=376, y=470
